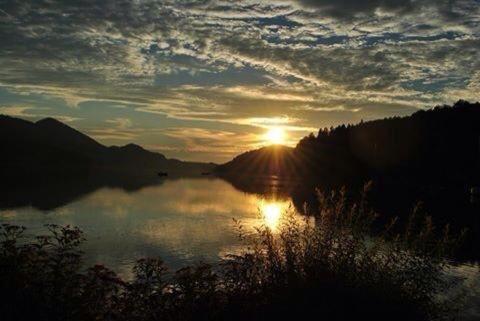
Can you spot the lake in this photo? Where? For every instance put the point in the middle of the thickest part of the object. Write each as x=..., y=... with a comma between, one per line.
x=182, y=220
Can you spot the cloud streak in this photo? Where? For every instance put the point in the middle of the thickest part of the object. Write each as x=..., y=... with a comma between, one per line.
x=208, y=63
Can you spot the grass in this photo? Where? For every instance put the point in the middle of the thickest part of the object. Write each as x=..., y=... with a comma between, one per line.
x=335, y=267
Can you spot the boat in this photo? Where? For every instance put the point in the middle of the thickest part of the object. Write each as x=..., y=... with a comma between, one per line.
x=162, y=174
x=205, y=173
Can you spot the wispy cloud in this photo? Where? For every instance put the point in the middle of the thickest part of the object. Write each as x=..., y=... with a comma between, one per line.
x=200, y=64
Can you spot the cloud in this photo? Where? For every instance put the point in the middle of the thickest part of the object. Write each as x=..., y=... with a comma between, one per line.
x=334, y=108
x=116, y=135
x=350, y=8
x=34, y=113
x=223, y=144
x=120, y=123
x=222, y=63
x=16, y=111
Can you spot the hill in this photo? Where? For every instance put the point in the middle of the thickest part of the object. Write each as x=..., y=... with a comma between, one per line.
x=437, y=145
x=50, y=147
x=271, y=160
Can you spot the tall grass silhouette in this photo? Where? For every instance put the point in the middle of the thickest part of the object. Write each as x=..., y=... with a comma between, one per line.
x=337, y=266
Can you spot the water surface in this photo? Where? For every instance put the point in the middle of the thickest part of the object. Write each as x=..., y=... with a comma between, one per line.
x=182, y=221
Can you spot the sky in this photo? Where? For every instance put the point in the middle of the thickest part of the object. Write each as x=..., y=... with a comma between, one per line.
x=204, y=80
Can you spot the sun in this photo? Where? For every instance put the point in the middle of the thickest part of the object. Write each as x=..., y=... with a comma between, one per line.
x=275, y=135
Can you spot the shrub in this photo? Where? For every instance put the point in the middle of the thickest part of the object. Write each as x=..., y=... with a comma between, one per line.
x=335, y=266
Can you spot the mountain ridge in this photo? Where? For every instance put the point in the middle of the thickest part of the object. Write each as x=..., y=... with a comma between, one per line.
x=49, y=146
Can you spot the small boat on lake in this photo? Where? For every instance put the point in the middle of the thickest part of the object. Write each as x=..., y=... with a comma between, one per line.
x=162, y=174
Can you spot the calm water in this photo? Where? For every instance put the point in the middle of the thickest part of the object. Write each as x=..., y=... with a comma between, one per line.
x=183, y=221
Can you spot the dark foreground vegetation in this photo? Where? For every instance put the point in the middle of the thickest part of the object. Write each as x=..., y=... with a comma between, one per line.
x=329, y=268
x=431, y=156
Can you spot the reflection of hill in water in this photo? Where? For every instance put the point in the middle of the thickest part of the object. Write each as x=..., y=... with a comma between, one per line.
x=271, y=186
x=49, y=193
x=46, y=164
x=447, y=205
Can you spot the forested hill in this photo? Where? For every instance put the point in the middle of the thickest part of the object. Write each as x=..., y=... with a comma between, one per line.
x=440, y=144
x=51, y=148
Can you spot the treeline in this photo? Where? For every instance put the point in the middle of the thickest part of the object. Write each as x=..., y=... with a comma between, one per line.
x=441, y=144
x=437, y=145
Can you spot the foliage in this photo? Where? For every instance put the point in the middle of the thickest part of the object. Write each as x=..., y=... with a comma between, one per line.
x=330, y=267
x=438, y=146
x=418, y=147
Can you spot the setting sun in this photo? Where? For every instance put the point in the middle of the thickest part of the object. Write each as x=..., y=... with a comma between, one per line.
x=275, y=135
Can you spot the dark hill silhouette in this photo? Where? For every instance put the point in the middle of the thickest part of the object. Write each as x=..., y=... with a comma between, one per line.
x=432, y=156
x=49, y=147
x=271, y=160
x=56, y=133
x=440, y=145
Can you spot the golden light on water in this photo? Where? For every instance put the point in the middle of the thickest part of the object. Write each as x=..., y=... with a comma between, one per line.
x=272, y=212
x=275, y=135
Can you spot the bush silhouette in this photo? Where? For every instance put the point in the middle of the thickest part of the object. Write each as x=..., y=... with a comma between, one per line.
x=332, y=267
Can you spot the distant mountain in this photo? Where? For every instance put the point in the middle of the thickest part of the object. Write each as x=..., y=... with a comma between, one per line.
x=437, y=145
x=50, y=147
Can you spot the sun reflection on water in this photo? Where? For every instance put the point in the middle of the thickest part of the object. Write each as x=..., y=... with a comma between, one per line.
x=272, y=212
